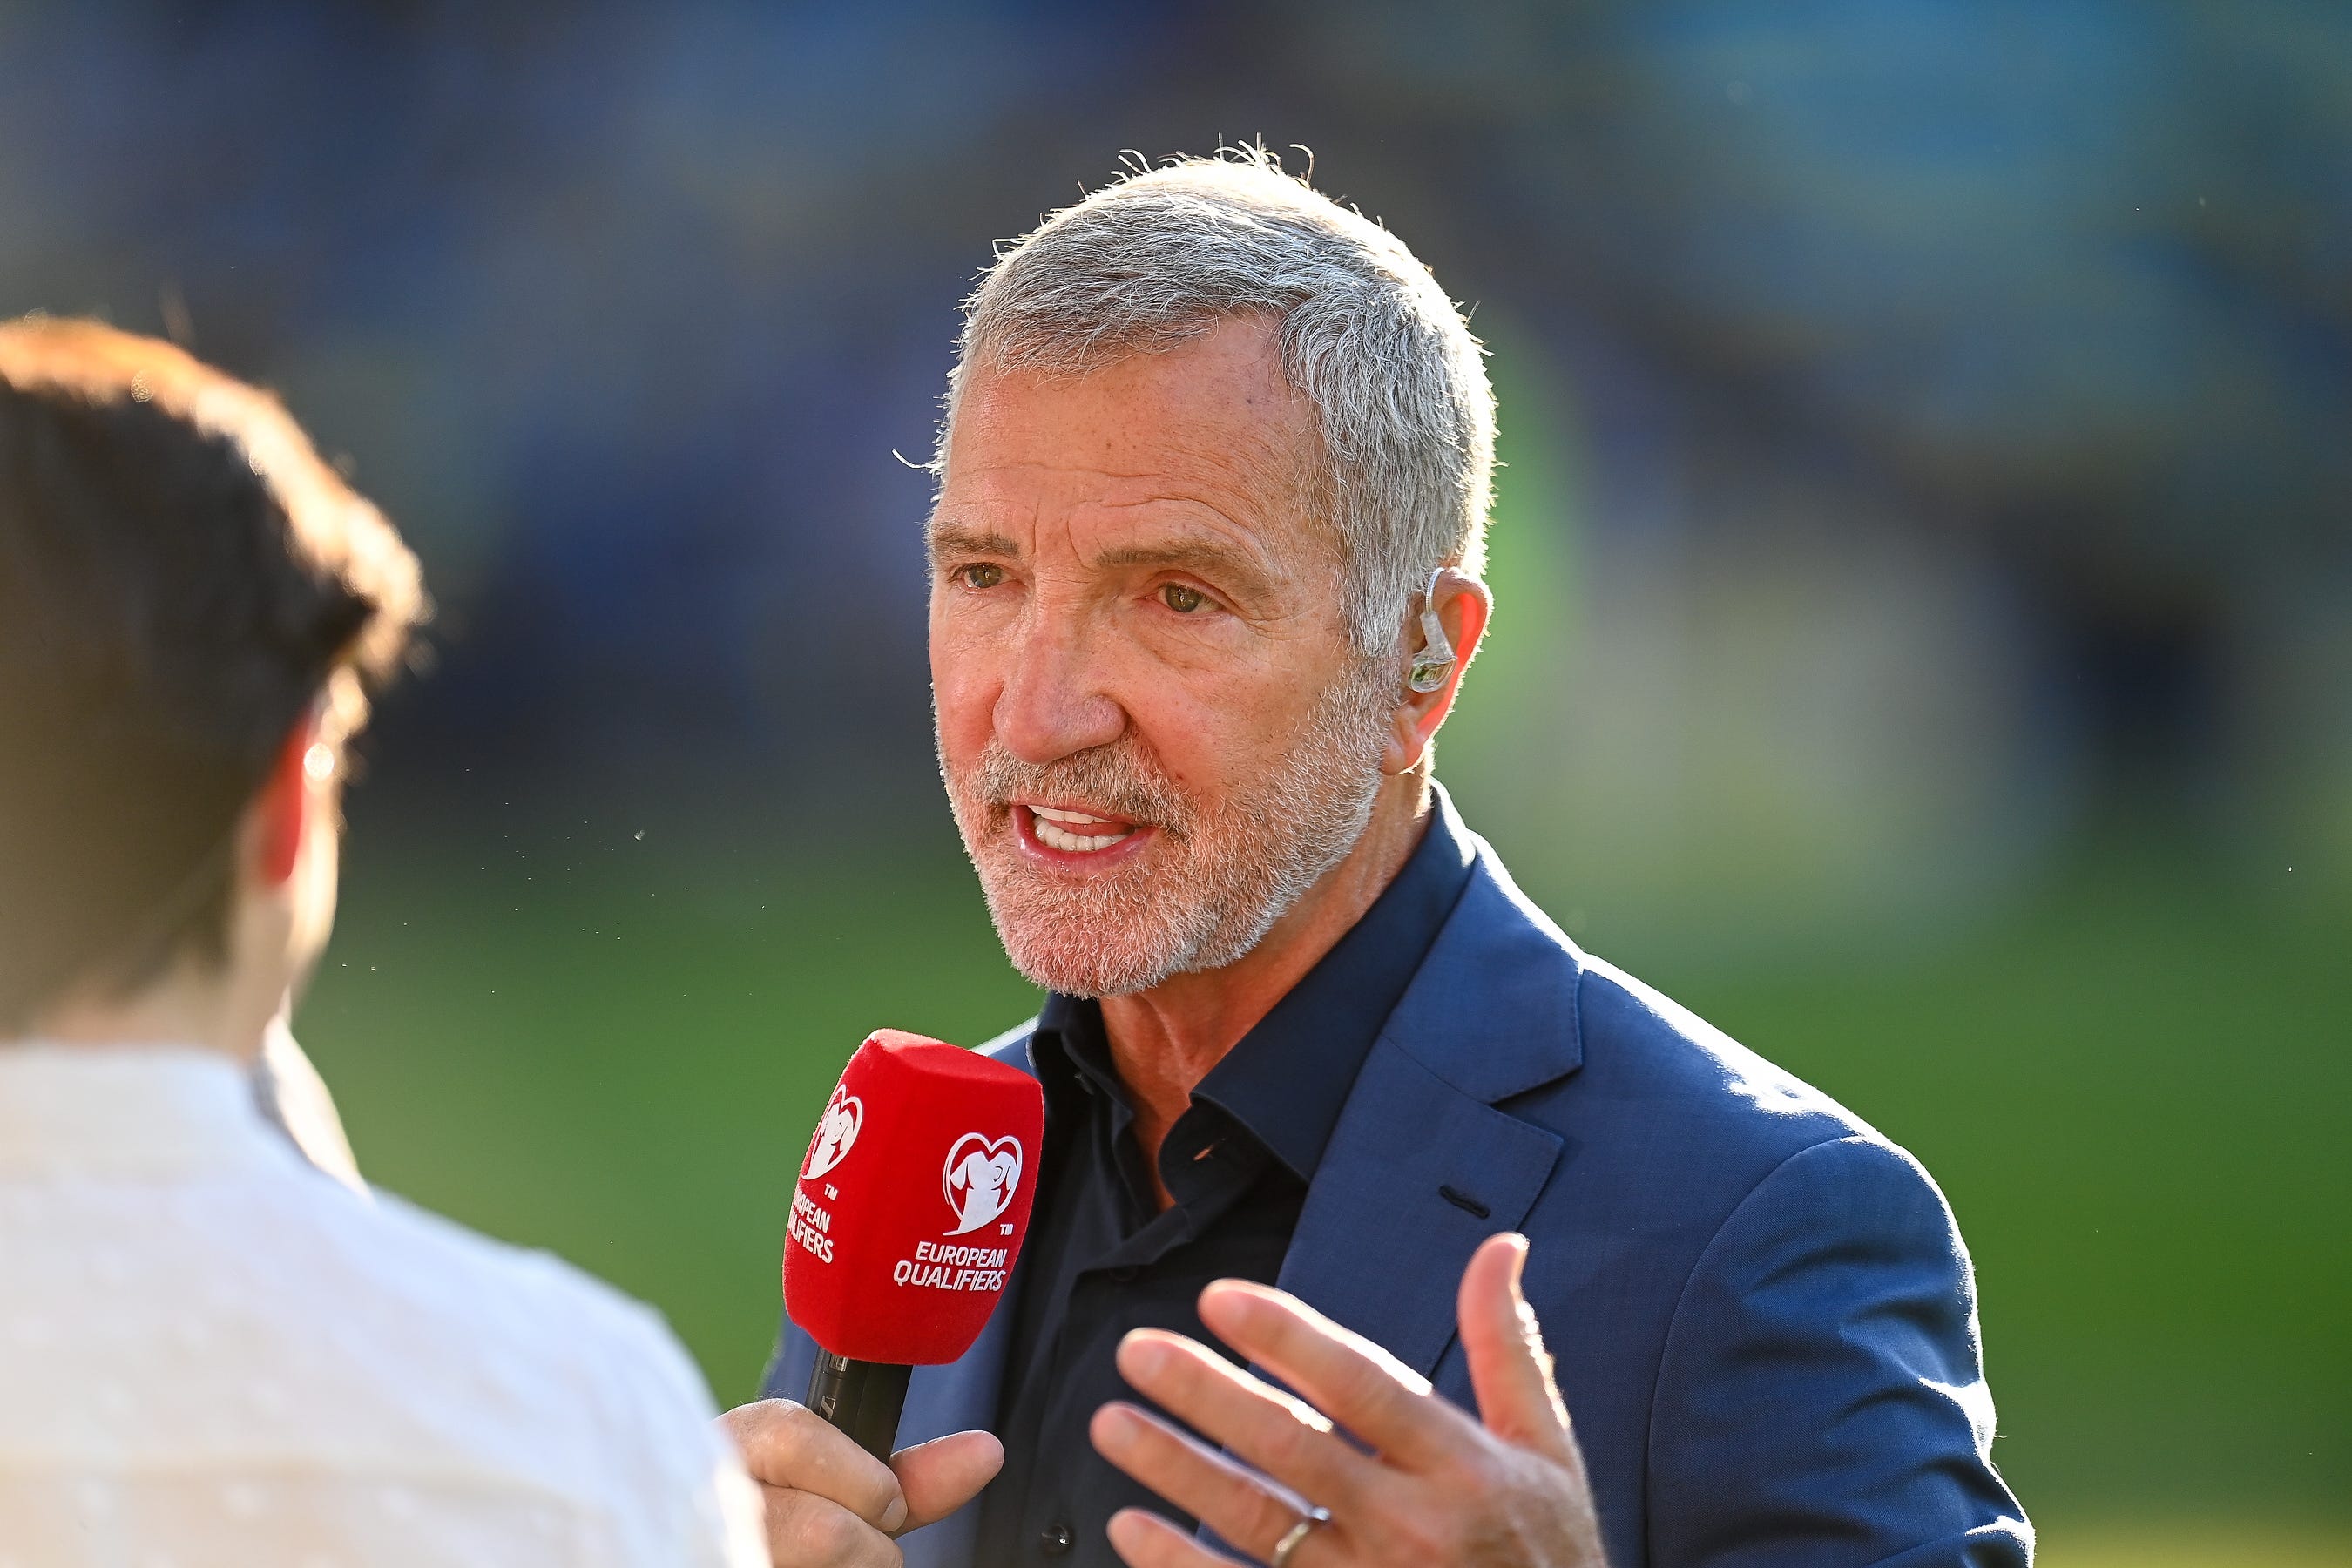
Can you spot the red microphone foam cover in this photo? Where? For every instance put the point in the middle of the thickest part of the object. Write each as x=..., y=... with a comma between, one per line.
x=913, y=1200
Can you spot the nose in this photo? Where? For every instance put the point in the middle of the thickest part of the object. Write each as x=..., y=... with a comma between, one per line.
x=1052, y=704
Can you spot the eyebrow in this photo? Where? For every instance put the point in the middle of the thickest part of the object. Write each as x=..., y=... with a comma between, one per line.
x=1211, y=559
x=1206, y=557
x=947, y=539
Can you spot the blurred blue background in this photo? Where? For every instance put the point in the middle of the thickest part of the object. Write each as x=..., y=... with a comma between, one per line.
x=1925, y=575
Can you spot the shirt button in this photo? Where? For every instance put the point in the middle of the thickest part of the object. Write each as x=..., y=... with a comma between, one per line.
x=1125, y=1274
x=1055, y=1539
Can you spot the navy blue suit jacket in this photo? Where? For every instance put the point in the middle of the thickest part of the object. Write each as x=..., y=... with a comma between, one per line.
x=1762, y=1315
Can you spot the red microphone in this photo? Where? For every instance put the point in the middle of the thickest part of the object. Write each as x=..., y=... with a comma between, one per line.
x=911, y=1209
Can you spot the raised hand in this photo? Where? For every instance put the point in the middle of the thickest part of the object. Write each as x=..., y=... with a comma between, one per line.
x=1505, y=1490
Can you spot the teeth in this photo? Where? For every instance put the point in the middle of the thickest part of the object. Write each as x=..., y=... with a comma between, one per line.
x=1053, y=837
x=1073, y=817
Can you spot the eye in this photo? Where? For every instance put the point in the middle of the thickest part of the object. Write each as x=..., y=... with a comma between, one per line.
x=979, y=575
x=1182, y=598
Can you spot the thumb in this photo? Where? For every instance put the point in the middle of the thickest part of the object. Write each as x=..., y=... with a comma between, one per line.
x=1510, y=1372
x=942, y=1475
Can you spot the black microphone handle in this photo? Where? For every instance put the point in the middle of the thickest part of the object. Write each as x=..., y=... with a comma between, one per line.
x=862, y=1398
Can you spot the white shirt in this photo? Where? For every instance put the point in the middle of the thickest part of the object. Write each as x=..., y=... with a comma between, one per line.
x=213, y=1356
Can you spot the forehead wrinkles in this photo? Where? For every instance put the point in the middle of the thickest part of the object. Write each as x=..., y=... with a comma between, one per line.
x=1214, y=421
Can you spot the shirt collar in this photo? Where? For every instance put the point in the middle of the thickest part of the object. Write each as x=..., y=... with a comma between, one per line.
x=1287, y=1080
x=135, y=1112
x=1076, y=1060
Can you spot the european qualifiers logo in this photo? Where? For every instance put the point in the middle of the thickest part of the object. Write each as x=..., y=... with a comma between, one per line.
x=978, y=1181
x=844, y=1114
x=812, y=1222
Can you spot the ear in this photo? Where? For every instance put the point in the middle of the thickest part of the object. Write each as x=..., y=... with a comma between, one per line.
x=1463, y=604
x=282, y=811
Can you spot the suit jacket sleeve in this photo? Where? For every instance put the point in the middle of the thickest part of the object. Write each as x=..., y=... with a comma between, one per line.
x=1821, y=1398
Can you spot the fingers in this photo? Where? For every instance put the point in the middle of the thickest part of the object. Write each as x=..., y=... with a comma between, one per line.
x=789, y=1445
x=1147, y=1540
x=1217, y=1492
x=806, y=1531
x=1356, y=1382
x=942, y=1475
x=1284, y=1437
x=1510, y=1372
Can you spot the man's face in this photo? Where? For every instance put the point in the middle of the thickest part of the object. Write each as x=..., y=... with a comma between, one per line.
x=1154, y=728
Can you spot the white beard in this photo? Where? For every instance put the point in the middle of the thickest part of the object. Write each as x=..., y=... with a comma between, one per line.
x=1215, y=883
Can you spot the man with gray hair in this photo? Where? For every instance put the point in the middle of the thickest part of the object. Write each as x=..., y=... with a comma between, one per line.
x=1333, y=1113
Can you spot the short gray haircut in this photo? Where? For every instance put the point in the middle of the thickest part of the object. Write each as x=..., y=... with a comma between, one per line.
x=1163, y=255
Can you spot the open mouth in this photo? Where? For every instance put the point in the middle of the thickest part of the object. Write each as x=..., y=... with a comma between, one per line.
x=1071, y=837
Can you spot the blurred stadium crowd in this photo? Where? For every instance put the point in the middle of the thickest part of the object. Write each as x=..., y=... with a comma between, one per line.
x=2022, y=328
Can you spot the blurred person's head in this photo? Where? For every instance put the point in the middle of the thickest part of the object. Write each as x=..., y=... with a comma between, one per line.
x=1209, y=439
x=193, y=608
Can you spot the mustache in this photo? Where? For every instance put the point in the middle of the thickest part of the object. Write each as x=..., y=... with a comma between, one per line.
x=1122, y=779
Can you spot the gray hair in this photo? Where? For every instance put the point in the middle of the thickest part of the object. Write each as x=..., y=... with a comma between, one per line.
x=1160, y=256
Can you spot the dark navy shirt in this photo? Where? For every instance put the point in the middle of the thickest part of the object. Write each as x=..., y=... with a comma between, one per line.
x=1103, y=1257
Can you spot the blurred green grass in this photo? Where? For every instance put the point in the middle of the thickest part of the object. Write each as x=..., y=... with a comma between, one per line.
x=2130, y=1086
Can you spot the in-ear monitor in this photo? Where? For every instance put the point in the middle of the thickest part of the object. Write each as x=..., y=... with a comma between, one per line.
x=1435, y=662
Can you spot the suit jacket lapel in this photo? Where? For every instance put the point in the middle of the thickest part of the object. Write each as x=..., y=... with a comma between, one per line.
x=1380, y=1246
x=1391, y=1214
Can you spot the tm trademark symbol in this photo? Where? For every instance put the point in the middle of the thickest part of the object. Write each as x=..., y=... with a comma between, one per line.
x=1004, y=1229
x=832, y=1193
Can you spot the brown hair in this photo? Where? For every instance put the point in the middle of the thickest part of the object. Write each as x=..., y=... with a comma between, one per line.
x=182, y=579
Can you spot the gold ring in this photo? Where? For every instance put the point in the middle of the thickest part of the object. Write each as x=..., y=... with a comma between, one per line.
x=1299, y=1532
